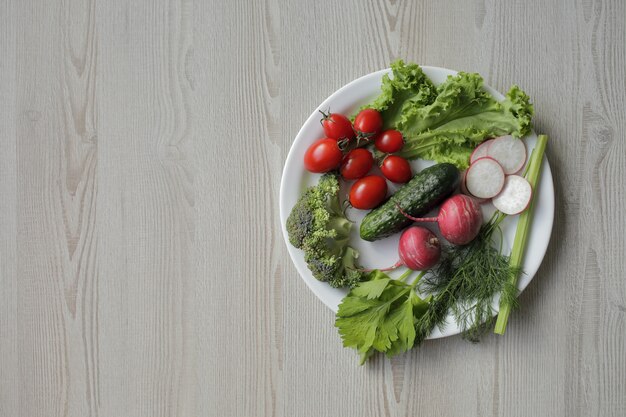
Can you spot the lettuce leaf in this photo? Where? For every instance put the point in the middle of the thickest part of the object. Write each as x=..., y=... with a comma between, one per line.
x=408, y=88
x=445, y=124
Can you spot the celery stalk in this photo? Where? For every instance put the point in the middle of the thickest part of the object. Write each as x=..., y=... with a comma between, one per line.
x=523, y=228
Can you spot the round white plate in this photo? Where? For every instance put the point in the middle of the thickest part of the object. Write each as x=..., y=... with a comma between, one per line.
x=383, y=252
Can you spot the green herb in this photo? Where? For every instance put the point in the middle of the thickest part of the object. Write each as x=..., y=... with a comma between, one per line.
x=387, y=315
x=523, y=228
x=379, y=315
x=465, y=282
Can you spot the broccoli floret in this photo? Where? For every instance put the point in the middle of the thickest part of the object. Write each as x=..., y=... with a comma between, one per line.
x=318, y=226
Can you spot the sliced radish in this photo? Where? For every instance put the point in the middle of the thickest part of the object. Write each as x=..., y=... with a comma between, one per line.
x=484, y=178
x=463, y=189
x=480, y=151
x=510, y=153
x=515, y=196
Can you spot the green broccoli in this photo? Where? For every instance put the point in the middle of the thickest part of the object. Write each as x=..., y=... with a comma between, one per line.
x=318, y=226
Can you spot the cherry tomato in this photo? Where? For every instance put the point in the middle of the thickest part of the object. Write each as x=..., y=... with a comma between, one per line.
x=389, y=141
x=337, y=126
x=324, y=155
x=356, y=164
x=396, y=169
x=368, y=192
x=368, y=123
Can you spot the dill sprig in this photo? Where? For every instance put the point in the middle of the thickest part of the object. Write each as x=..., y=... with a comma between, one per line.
x=465, y=283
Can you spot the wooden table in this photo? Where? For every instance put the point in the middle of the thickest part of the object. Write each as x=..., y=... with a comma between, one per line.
x=142, y=267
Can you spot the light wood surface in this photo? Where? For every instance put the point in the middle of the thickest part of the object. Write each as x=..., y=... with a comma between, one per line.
x=142, y=268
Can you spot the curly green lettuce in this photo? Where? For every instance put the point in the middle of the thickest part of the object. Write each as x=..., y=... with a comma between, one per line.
x=409, y=87
x=445, y=124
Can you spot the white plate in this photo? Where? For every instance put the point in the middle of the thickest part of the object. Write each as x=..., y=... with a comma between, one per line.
x=383, y=253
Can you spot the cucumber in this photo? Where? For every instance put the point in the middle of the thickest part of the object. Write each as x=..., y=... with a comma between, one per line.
x=426, y=190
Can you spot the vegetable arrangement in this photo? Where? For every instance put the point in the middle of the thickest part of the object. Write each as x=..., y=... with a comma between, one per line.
x=460, y=126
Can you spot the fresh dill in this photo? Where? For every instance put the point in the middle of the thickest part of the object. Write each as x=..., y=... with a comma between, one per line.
x=465, y=283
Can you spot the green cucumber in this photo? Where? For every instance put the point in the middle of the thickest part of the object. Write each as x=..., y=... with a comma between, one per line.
x=426, y=190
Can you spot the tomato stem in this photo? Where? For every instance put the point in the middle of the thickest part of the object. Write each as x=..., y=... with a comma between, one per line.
x=325, y=116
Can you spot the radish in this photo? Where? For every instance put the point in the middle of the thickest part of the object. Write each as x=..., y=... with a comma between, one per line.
x=510, y=153
x=418, y=249
x=484, y=178
x=459, y=219
x=463, y=188
x=515, y=196
x=480, y=151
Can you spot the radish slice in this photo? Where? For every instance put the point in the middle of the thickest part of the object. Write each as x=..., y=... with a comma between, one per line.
x=480, y=151
x=515, y=196
x=484, y=178
x=463, y=189
x=510, y=153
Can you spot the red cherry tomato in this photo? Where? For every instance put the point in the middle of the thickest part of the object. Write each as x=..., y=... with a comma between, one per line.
x=368, y=192
x=324, y=155
x=389, y=141
x=368, y=123
x=356, y=164
x=337, y=126
x=396, y=169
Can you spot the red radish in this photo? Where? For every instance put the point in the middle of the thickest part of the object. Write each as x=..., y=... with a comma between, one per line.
x=480, y=151
x=459, y=219
x=419, y=250
x=484, y=178
x=510, y=153
x=515, y=196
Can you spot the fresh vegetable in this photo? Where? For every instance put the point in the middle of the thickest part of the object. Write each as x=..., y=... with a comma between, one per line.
x=419, y=248
x=484, y=178
x=521, y=234
x=417, y=197
x=446, y=123
x=386, y=315
x=396, y=169
x=480, y=151
x=510, y=153
x=368, y=192
x=318, y=226
x=451, y=124
x=389, y=141
x=407, y=87
x=464, y=284
x=322, y=156
x=356, y=164
x=464, y=191
x=515, y=196
x=336, y=126
x=368, y=123
x=378, y=315
x=459, y=219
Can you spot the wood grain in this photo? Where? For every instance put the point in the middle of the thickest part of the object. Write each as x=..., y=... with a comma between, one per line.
x=142, y=268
